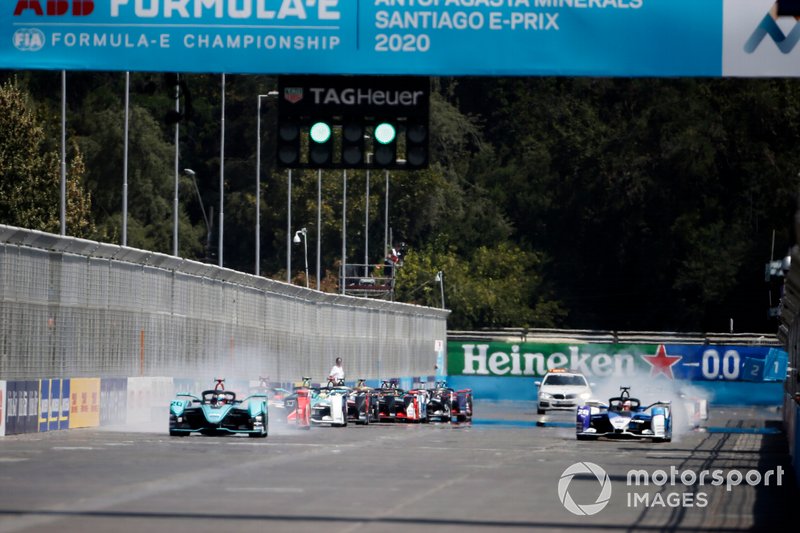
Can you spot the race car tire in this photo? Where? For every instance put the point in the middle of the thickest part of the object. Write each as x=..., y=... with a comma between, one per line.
x=665, y=439
x=540, y=411
x=586, y=437
x=177, y=434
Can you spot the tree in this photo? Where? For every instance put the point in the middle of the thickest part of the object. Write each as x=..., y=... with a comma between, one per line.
x=496, y=286
x=30, y=176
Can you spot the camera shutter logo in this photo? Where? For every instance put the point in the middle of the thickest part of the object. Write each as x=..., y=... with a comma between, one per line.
x=587, y=509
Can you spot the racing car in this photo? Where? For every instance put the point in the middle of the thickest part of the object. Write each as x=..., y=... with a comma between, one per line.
x=397, y=404
x=390, y=400
x=441, y=402
x=294, y=409
x=362, y=404
x=415, y=406
x=218, y=412
x=329, y=404
x=462, y=407
x=445, y=402
x=625, y=417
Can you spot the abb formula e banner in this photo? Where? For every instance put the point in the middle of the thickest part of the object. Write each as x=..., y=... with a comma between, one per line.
x=403, y=37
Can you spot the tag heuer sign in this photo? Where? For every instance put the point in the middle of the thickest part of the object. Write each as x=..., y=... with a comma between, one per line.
x=377, y=96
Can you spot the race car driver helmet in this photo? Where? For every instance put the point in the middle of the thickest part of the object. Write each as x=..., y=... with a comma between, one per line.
x=626, y=405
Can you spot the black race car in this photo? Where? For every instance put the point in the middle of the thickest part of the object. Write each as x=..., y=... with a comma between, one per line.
x=362, y=404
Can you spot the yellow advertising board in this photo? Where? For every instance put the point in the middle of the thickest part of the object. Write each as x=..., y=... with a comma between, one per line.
x=84, y=403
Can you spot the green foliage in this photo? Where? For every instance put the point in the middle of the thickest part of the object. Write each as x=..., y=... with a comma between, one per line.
x=495, y=286
x=30, y=176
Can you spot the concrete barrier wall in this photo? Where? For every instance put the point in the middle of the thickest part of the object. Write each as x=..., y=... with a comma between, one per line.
x=71, y=307
x=3, y=410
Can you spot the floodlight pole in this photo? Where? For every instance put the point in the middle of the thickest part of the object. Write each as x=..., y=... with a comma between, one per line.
x=344, y=228
x=222, y=174
x=63, y=209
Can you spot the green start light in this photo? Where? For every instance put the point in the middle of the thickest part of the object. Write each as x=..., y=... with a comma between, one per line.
x=320, y=132
x=385, y=133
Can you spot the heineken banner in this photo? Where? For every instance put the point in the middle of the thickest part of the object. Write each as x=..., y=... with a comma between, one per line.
x=659, y=361
x=403, y=37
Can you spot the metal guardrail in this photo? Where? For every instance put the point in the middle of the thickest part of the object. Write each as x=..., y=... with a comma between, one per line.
x=619, y=337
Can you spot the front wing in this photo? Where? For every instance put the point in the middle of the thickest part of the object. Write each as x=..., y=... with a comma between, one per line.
x=593, y=423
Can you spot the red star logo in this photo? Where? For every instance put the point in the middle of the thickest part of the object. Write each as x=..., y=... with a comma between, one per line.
x=661, y=363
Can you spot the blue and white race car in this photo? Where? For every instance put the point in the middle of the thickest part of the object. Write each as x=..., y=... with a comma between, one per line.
x=625, y=417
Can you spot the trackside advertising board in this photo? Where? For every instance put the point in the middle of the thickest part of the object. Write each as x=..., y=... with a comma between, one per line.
x=403, y=37
x=658, y=361
x=84, y=411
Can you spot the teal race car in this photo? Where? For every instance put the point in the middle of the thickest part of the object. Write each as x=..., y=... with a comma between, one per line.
x=219, y=412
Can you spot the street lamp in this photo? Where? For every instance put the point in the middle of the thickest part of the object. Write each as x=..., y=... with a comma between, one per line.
x=177, y=162
x=366, y=219
x=191, y=173
x=440, y=278
x=386, y=213
x=344, y=228
x=296, y=240
x=270, y=94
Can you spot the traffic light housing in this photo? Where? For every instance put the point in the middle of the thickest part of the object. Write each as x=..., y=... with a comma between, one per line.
x=417, y=142
x=367, y=121
x=288, y=143
x=320, y=144
x=352, y=144
x=384, y=146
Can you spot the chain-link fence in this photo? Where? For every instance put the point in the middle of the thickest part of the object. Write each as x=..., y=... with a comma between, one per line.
x=71, y=307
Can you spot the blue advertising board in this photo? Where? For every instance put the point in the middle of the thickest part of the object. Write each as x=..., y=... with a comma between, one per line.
x=63, y=417
x=400, y=37
x=44, y=405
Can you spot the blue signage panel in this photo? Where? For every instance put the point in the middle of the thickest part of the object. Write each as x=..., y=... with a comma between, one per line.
x=44, y=405
x=414, y=37
x=55, y=403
